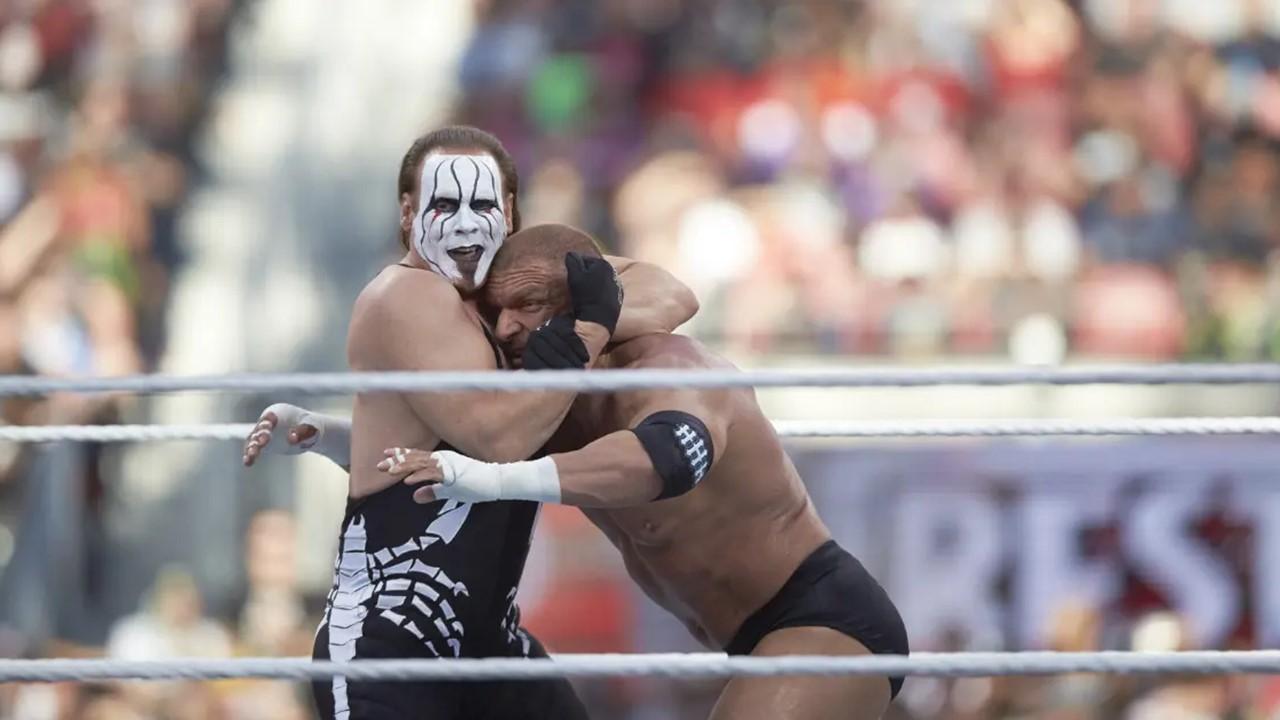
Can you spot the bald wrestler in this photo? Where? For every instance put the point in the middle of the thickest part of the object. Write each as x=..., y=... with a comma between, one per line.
x=697, y=493
x=733, y=547
x=439, y=580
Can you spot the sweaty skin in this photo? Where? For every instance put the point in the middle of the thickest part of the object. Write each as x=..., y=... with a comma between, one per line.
x=399, y=322
x=712, y=556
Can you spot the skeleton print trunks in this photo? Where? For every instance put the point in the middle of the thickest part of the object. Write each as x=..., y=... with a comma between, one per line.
x=432, y=581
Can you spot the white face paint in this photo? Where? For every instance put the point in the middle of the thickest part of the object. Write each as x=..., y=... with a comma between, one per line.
x=460, y=223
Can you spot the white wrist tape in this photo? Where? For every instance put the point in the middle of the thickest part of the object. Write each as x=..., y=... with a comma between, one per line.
x=469, y=480
x=332, y=439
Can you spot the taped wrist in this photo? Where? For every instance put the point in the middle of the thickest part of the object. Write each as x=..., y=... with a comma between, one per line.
x=471, y=480
x=332, y=439
x=680, y=449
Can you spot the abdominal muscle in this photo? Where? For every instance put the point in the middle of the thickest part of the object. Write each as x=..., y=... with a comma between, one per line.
x=716, y=571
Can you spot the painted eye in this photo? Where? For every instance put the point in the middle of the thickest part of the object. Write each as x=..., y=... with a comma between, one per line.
x=483, y=206
x=445, y=205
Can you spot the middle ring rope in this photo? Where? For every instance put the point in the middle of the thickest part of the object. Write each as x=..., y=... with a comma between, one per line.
x=618, y=380
x=1016, y=427
x=671, y=665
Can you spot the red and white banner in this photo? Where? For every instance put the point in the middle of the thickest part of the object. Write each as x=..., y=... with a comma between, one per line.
x=986, y=542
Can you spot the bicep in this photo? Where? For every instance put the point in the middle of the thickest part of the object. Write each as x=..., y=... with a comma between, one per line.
x=711, y=407
x=426, y=338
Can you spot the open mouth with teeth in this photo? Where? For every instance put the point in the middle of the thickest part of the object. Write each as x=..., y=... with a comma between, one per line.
x=467, y=254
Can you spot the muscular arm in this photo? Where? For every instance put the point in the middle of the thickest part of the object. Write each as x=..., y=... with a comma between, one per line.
x=655, y=301
x=424, y=327
x=616, y=471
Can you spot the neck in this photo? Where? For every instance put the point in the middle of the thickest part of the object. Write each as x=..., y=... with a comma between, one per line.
x=412, y=259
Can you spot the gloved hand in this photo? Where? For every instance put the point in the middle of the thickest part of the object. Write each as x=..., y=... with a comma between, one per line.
x=594, y=290
x=325, y=435
x=555, y=346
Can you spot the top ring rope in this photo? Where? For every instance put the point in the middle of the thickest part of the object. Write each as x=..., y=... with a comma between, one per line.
x=703, y=665
x=614, y=380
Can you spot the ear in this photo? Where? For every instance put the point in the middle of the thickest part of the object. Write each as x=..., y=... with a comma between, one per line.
x=507, y=209
x=408, y=208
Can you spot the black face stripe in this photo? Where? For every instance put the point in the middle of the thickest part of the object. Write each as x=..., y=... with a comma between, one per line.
x=426, y=227
x=493, y=185
x=454, y=172
x=439, y=270
x=475, y=186
x=445, y=218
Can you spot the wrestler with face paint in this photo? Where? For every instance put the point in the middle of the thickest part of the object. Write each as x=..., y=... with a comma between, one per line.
x=440, y=580
x=459, y=223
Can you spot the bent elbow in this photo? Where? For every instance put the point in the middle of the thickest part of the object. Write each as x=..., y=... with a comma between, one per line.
x=686, y=305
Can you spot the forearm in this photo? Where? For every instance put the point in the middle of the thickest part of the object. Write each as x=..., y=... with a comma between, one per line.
x=611, y=472
x=654, y=301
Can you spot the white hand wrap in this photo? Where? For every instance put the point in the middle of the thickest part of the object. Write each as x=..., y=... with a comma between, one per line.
x=332, y=439
x=469, y=480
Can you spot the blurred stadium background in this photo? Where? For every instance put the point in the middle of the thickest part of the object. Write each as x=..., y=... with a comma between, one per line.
x=202, y=186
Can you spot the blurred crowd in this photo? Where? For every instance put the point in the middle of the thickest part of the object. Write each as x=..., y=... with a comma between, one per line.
x=99, y=104
x=1032, y=179
x=1023, y=178
x=1090, y=697
x=273, y=620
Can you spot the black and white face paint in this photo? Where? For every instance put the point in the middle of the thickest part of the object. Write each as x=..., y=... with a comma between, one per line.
x=460, y=223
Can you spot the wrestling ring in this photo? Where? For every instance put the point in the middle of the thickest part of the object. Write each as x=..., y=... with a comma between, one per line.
x=681, y=665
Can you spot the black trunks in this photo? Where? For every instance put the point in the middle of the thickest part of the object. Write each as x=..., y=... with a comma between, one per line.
x=830, y=589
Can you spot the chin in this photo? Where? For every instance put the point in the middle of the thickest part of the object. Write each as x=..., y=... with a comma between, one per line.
x=466, y=285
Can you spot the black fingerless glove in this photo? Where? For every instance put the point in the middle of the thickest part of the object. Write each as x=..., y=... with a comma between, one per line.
x=555, y=346
x=594, y=290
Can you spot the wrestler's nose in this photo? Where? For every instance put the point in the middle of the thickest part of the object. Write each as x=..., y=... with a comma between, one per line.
x=508, y=326
x=467, y=225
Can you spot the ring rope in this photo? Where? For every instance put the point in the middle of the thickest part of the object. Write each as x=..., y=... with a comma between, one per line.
x=701, y=665
x=1017, y=427
x=614, y=380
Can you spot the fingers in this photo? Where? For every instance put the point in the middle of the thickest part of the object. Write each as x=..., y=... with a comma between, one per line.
x=426, y=476
x=424, y=495
x=400, y=462
x=259, y=437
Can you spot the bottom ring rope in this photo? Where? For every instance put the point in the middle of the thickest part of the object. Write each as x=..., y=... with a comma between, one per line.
x=704, y=665
x=1016, y=427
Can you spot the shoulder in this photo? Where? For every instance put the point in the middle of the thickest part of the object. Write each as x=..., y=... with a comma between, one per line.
x=398, y=297
x=667, y=351
x=404, y=293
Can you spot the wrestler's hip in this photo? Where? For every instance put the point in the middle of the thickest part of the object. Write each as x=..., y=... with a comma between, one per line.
x=830, y=589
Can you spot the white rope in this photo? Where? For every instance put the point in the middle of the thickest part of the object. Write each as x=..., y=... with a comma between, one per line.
x=1018, y=427
x=122, y=433
x=708, y=665
x=1027, y=427
x=613, y=380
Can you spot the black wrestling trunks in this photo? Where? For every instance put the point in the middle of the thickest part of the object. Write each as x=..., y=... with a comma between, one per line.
x=830, y=589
